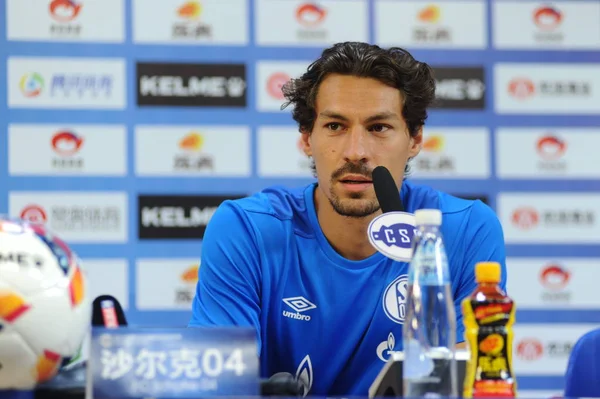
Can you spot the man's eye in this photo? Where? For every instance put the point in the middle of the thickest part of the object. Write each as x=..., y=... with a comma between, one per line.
x=334, y=126
x=379, y=128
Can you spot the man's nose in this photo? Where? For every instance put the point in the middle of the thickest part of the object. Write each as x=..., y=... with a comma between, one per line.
x=356, y=145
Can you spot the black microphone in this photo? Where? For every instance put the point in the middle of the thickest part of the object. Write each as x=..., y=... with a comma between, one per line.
x=107, y=312
x=282, y=384
x=386, y=190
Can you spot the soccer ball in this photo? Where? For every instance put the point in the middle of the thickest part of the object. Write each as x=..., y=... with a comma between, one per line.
x=45, y=310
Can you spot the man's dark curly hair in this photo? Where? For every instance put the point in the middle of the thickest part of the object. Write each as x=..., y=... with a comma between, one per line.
x=394, y=67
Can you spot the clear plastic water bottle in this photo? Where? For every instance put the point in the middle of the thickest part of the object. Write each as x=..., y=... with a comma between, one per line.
x=429, y=331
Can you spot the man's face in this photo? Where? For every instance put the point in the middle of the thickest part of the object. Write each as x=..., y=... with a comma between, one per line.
x=358, y=126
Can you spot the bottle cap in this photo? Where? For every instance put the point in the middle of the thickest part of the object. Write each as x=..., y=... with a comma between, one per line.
x=487, y=272
x=428, y=216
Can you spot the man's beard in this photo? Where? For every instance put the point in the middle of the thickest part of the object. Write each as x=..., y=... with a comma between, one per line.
x=350, y=207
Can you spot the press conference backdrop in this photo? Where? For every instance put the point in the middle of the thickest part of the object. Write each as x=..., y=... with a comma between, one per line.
x=124, y=124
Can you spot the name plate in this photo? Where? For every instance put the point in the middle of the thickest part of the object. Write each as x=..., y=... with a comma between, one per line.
x=173, y=362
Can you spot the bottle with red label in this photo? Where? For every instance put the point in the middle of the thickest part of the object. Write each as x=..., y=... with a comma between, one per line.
x=488, y=315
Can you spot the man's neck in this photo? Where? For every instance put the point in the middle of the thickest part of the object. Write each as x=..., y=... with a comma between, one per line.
x=347, y=235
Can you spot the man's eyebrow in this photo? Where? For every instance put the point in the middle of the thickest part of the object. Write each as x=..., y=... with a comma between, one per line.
x=382, y=116
x=377, y=117
x=333, y=115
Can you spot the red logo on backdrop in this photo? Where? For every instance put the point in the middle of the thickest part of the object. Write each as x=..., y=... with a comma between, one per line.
x=64, y=10
x=521, y=88
x=275, y=83
x=530, y=349
x=34, y=214
x=310, y=14
x=525, y=217
x=554, y=277
x=551, y=147
x=547, y=18
x=66, y=143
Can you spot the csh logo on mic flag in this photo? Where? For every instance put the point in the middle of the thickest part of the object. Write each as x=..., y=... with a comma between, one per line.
x=391, y=234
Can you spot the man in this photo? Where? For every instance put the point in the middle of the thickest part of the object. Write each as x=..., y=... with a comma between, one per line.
x=296, y=264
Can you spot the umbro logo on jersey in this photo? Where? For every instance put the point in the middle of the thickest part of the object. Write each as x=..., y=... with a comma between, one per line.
x=300, y=305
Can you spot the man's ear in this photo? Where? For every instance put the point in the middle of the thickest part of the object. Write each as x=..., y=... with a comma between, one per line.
x=304, y=142
x=416, y=143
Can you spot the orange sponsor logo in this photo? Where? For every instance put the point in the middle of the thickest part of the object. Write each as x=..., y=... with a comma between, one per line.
x=192, y=142
x=190, y=275
x=433, y=144
x=190, y=10
x=430, y=14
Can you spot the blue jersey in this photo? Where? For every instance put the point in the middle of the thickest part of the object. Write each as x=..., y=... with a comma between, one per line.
x=583, y=369
x=331, y=321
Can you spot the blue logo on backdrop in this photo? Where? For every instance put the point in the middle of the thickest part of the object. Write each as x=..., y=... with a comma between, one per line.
x=80, y=84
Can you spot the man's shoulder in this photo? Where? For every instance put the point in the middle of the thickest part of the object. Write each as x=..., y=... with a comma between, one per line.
x=454, y=208
x=278, y=201
x=269, y=208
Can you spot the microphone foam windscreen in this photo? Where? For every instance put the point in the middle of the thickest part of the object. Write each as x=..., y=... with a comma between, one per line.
x=386, y=190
